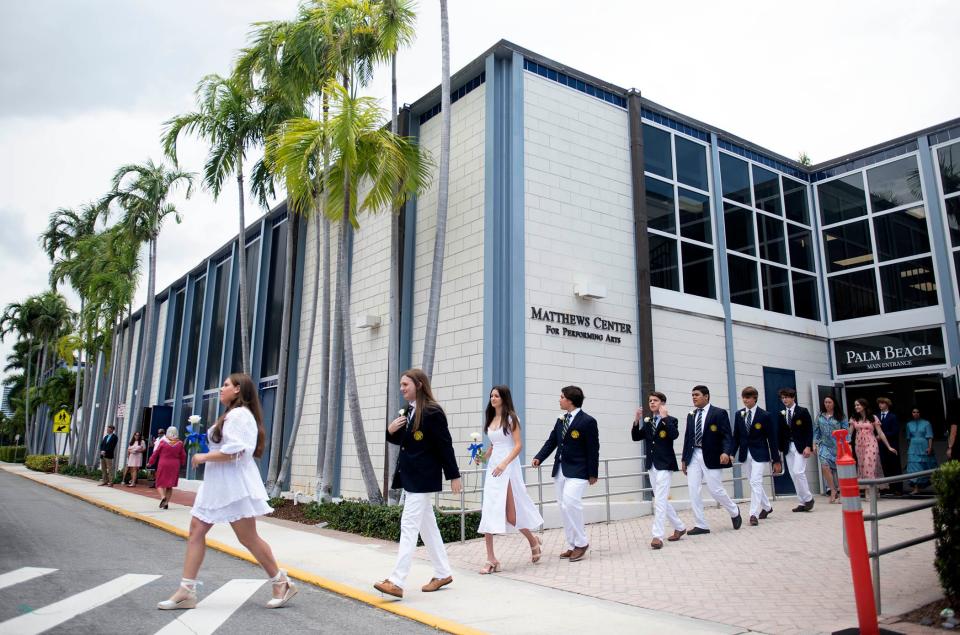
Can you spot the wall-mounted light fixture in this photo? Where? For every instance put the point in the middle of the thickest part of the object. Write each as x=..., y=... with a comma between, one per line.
x=368, y=322
x=589, y=290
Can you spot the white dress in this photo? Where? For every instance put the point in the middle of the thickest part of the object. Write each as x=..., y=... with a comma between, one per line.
x=232, y=490
x=493, y=519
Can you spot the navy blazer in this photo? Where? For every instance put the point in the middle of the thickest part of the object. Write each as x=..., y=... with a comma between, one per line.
x=891, y=429
x=424, y=454
x=799, y=431
x=579, y=453
x=760, y=440
x=717, y=438
x=659, y=440
x=108, y=445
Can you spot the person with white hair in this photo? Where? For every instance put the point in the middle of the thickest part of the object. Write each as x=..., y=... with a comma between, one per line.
x=168, y=457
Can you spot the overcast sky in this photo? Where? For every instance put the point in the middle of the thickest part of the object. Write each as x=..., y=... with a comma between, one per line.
x=86, y=85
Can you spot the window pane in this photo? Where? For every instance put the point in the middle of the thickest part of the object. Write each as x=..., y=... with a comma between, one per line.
x=953, y=219
x=950, y=167
x=660, y=211
x=656, y=152
x=766, y=190
x=894, y=184
x=854, y=295
x=901, y=234
x=739, y=229
x=698, y=270
x=175, y=339
x=806, y=304
x=801, y=248
x=842, y=199
x=776, y=289
x=695, y=216
x=735, y=179
x=691, y=163
x=193, y=346
x=270, y=362
x=908, y=285
x=663, y=262
x=217, y=326
x=770, y=239
x=847, y=246
x=743, y=281
x=795, y=201
x=253, y=274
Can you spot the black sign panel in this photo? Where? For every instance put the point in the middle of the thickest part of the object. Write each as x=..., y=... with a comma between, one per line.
x=890, y=351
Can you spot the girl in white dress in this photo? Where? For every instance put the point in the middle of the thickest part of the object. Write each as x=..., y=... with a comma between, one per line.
x=507, y=507
x=232, y=492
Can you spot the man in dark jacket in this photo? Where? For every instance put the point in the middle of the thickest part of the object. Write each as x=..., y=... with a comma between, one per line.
x=889, y=461
x=658, y=431
x=795, y=437
x=108, y=446
x=755, y=437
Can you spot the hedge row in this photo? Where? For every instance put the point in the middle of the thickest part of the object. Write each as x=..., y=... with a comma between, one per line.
x=45, y=462
x=378, y=521
x=946, y=526
x=13, y=453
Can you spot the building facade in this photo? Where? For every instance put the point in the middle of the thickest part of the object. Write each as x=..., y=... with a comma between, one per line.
x=600, y=239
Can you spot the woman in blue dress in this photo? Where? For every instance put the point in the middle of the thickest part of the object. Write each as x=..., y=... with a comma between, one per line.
x=919, y=450
x=825, y=445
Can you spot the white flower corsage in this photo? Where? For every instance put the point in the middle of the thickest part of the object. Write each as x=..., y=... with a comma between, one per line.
x=402, y=412
x=783, y=412
x=646, y=419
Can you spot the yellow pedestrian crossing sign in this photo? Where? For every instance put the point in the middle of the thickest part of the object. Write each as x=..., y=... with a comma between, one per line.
x=61, y=422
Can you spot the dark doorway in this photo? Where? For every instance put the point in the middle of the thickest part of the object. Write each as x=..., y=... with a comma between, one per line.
x=773, y=380
x=923, y=391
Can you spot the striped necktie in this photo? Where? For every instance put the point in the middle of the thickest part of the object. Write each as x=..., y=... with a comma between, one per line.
x=698, y=431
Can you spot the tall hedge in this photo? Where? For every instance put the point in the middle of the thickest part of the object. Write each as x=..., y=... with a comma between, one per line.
x=946, y=526
x=13, y=453
x=45, y=462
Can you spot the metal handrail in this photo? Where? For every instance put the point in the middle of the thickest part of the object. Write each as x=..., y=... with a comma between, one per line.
x=875, y=516
x=606, y=494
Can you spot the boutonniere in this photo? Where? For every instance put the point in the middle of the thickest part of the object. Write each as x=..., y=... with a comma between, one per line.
x=743, y=413
x=690, y=413
x=560, y=420
x=783, y=412
x=646, y=419
x=402, y=412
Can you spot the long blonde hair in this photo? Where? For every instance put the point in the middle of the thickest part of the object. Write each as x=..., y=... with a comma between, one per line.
x=425, y=398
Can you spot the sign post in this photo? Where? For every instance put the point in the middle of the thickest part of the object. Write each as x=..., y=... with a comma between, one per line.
x=61, y=425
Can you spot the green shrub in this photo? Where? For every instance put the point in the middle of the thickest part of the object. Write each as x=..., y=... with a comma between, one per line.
x=45, y=462
x=378, y=521
x=946, y=526
x=13, y=453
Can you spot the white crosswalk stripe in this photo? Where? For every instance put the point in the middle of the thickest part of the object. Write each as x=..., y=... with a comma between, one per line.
x=213, y=610
x=22, y=575
x=59, y=612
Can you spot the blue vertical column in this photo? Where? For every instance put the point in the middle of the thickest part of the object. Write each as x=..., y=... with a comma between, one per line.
x=941, y=250
x=203, y=351
x=408, y=260
x=233, y=310
x=504, y=341
x=258, y=298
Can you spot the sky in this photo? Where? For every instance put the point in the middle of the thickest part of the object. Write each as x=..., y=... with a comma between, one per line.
x=85, y=86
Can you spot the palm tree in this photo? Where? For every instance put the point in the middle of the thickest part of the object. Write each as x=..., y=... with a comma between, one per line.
x=395, y=22
x=443, y=187
x=16, y=320
x=142, y=191
x=362, y=151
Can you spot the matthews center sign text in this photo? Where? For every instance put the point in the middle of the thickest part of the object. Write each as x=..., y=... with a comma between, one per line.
x=596, y=328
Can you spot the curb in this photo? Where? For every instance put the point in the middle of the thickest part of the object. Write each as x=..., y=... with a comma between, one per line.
x=391, y=606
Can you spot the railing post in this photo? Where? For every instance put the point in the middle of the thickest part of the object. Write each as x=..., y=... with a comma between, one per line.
x=875, y=547
x=856, y=536
x=463, y=517
x=606, y=484
x=540, y=489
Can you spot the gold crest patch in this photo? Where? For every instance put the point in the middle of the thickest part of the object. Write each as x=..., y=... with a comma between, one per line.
x=798, y=422
x=418, y=436
x=575, y=434
x=713, y=427
x=663, y=434
x=757, y=426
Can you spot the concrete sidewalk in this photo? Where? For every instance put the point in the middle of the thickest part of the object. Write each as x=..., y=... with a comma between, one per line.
x=472, y=604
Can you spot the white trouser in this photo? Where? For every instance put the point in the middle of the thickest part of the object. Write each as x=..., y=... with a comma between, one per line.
x=569, y=495
x=697, y=471
x=758, y=496
x=798, y=472
x=662, y=509
x=418, y=519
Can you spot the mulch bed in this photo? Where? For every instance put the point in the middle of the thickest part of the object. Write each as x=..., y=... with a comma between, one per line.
x=929, y=614
x=289, y=511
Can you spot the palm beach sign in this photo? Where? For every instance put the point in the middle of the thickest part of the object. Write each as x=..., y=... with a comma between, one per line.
x=890, y=351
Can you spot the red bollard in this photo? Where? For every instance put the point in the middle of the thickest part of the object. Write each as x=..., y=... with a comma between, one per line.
x=856, y=536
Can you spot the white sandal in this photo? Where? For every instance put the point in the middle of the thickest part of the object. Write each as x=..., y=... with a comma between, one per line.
x=289, y=592
x=189, y=602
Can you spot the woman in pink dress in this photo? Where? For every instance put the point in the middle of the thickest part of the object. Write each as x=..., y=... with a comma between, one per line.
x=168, y=457
x=868, y=450
x=134, y=458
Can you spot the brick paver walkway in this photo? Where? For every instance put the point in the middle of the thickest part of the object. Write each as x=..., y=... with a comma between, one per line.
x=789, y=575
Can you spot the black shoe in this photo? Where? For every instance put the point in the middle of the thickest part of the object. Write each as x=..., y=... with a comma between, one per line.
x=753, y=521
x=696, y=531
x=737, y=521
x=765, y=512
x=801, y=508
x=809, y=505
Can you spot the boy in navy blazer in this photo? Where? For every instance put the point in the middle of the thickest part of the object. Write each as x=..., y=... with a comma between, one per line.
x=659, y=430
x=755, y=436
x=796, y=442
x=707, y=451
x=577, y=442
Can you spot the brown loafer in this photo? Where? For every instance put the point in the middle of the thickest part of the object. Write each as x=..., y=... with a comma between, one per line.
x=436, y=583
x=389, y=588
x=579, y=553
x=677, y=535
x=566, y=554
x=753, y=521
x=656, y=543
x=765, y=512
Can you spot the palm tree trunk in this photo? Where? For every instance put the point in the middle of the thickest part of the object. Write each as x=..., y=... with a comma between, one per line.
x=439, y=245
x=324, y=349
x=391, y=451
x=26, y=406
x=276, y=432
x=242, y=254
x=334, y=404
x=146, y=328
x=74, y=429
x=38, y=423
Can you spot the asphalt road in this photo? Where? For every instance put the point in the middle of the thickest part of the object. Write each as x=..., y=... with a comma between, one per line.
x=89, y=547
